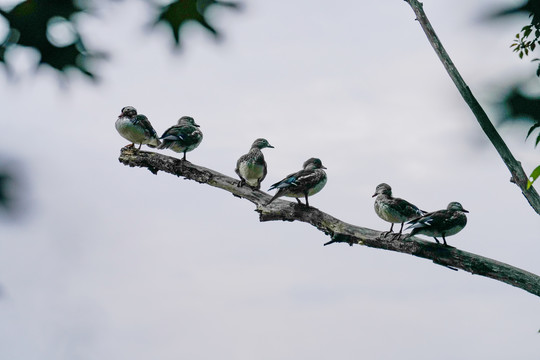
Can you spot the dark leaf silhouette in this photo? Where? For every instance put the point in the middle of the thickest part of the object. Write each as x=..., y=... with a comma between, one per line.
x=28, y=25
x=180, y=12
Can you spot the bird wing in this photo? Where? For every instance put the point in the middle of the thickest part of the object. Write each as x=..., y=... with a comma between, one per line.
x=146, y=125
x=406, y=208
x=302, y=178
x=289, y=180
x=432, y=219
x=173, y=133
x=239, y=161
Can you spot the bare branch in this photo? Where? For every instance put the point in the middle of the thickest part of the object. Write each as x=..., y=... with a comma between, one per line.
x=337, y=230
x=518, y=175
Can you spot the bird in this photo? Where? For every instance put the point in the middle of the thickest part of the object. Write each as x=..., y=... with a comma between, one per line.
x=251, y=167
x=306, y=182
x=183, y=137
x=440, y=223
x=136, y=128
x=393, y=210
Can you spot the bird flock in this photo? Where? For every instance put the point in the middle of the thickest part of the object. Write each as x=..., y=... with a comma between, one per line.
x=251, y=168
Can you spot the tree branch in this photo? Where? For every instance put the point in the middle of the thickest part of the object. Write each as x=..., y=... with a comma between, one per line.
x=337, y=230
x=518, y=175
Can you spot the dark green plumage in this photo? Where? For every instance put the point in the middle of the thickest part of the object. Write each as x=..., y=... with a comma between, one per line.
x=183, y=137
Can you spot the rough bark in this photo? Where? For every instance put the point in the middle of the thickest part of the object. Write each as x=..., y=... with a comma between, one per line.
x=337, y=230
x=518, y=175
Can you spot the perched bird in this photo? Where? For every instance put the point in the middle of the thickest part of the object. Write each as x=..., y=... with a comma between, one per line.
x=440, y=223
x=251, y=167
x=183, y=137
x=393, y=210
x=308, y=181
x=136, y=128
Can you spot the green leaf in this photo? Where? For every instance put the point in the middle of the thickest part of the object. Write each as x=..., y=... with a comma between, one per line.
x=521, y=54
x=533, y=45
x=532, y=129
x=534, y=175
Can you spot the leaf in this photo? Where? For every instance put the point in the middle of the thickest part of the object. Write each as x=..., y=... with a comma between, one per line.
x=532, y=129
x=533, y=45
x=534, y=175
x=521, y=54
x=179, y=12
x=30, y=21
x=537, y=141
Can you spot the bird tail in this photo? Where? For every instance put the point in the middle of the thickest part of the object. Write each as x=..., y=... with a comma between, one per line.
x=278, y=194
x=163, y=145
x=154, y=143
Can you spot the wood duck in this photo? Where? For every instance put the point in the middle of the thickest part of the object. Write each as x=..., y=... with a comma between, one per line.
x=306, y=182
x=251, y=167
x=440, y=223
x=183, y=137
x=136, y=128
x=393, y=210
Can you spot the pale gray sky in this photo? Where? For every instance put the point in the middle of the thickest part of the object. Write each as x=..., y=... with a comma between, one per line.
x=116, y=263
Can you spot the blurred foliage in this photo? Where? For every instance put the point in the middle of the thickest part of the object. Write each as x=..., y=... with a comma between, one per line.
x=524, y=108
x=10, y=188
x=521, y=107
x=180, y=12
x=5, y=196
x=31, y=24
x=528, y=38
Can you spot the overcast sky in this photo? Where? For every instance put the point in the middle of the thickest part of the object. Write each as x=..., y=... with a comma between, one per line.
x=111, y=262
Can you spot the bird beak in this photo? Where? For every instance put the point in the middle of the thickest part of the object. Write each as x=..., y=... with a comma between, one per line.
x=197, y=125
x=465, y=210
x=324, y=167
x=374, y=195
x=270, y=146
